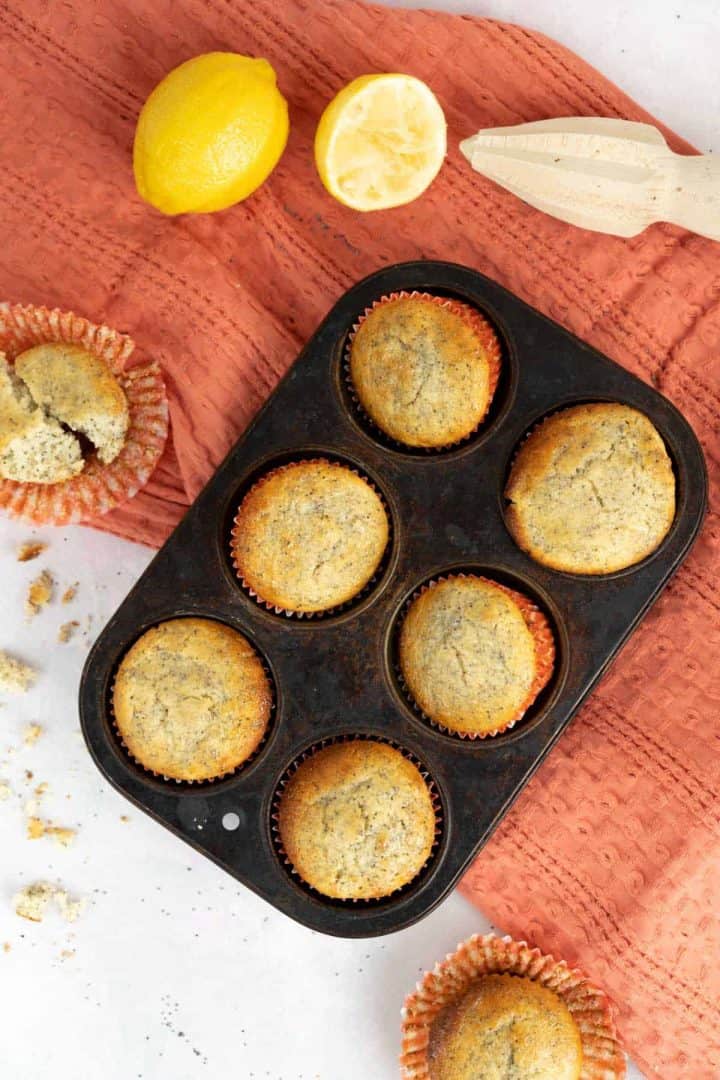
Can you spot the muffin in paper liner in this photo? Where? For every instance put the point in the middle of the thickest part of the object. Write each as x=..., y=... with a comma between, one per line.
x=449, y=981
x=335, y=740
x=545, y=652
x=98, y=488
x=338, y=608
x=175, y=782
x=479, y=325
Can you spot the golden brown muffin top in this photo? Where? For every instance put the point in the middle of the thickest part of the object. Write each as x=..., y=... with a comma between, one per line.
x=309, y=536
x=357, y=820
x=80, y=390
x=591, y=490
x=191, y=699
x=506, y=1028
x=421, y=372
x=468, y=654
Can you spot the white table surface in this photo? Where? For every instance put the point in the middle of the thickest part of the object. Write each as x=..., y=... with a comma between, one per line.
x=176, y=970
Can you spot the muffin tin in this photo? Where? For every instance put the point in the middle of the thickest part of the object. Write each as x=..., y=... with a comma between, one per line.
x=335, y=675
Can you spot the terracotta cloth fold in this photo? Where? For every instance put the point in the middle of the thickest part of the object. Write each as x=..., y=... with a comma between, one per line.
x=609, y=858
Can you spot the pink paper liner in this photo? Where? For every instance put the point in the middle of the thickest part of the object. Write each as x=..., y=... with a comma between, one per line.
x=603, y=1056
x=325, y=613
x=98, y=488
x=538, y=625
x=207, y=781
x=334, y=740
x=471, y=317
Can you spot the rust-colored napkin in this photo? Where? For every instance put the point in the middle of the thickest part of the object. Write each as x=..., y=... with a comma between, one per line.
x=610, y=857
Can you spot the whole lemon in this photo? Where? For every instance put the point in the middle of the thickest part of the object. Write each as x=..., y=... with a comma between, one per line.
x=209, y=134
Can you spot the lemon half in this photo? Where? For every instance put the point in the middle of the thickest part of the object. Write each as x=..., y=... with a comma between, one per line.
x=209, y=134
x=381, y=141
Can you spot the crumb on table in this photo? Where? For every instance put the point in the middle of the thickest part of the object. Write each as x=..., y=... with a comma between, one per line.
x=60, y=834
x=70, y=592
x=5, y=790
x=32, y=901
x=30, y=549
x=35, y=828
x=67, y=630
x=14, y=674
x=7, y=946
x=31, y=734
x=40, y=593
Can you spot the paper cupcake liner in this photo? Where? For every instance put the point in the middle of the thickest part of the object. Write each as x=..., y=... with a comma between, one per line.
x=603, y=1056
x=479, y=325
x=98, y=488
x=541, y=630
x=209, y=781
x=338, y=609
x=282, y=855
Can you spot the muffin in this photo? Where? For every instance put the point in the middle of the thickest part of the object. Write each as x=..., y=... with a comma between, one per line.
x=592, y=490
x=496, y=1009
x=34, y=448
x=67, y=383
x=78, y=389
x=191, y=699
x=309, y=536
x=424, y=369
x=506, y=1027
x=474, y=655
x=356, y=820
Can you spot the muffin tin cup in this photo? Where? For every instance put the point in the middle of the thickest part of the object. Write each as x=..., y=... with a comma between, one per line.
x=286, y=861
x=334, y=676
x=337, y=609
x=175, y=782
x=449, y=981
x=479, y=326
x=545, y=653
x=98, y=488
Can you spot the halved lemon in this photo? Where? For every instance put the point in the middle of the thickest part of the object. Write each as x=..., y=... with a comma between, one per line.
x=380, y=143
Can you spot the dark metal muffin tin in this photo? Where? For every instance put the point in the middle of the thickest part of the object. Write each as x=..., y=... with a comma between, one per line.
x=335, y=676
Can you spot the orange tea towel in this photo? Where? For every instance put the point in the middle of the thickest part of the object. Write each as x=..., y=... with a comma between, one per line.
x=609, y=858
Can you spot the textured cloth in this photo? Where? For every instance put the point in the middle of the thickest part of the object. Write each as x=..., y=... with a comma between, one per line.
x=609, y=857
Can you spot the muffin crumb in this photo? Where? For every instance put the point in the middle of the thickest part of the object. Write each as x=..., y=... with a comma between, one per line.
x=5, y=790
x=15, y=675
x=31, y=734
x=6, y=946
x=32, y=902
x=67, y=630
x=40, y=593
x=70, y=593
x=62, y=835
x=29, y=550
x=35, y=828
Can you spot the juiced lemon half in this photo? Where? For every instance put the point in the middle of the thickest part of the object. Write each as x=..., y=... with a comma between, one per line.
x=380, y=143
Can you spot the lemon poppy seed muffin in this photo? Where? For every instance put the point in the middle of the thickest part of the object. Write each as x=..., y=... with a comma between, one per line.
x=191, y=699
x=591, y=490
x=34, y=447
x=356, y=820
x=474, y=654
x=309, y=536
x=506, y=1028
x=424, y=369
x=78, y=389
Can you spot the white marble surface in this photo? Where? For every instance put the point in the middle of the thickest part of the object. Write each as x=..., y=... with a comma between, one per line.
x=175, y=970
